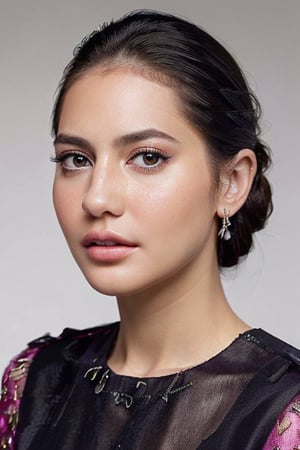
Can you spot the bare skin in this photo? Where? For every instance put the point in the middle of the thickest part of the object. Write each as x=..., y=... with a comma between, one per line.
x=174, y=313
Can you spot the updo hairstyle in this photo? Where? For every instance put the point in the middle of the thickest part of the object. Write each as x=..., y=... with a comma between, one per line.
x=215, y=99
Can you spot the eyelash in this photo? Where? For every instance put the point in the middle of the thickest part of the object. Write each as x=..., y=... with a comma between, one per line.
x=64, y=156
x=154, y=152
x=139, y=152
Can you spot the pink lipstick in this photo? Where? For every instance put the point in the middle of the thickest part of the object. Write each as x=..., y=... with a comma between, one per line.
x=107, y=246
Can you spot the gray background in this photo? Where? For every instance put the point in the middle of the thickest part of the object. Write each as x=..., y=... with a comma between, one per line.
x=41, y=288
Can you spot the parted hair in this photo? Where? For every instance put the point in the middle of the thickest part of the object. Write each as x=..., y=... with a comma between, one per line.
x=215, y=99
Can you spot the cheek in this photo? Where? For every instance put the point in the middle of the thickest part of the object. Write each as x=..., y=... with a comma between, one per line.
x=65, y=200
x=179, y=195
x=176, y=214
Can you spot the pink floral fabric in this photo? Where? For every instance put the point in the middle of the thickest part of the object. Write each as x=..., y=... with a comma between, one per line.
x=12, y=387
x=286, y=433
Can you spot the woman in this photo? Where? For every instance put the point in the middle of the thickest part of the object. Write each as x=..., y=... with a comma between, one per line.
x=159, y=184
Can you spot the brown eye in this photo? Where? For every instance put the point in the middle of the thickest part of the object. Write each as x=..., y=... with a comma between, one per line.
x=150, y=158
x=79, y=161
x=73, y=161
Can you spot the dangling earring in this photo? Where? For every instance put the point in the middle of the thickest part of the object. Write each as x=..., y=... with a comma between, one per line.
x=224, y=233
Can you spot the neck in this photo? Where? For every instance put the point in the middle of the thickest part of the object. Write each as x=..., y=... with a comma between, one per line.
x=170, y=328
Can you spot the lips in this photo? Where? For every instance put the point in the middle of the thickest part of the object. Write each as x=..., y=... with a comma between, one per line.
x=104, y=243
x=106, y=239
x=107, y=246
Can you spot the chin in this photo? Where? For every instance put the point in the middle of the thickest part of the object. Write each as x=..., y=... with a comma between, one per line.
x=119, y=288
x=110, y=287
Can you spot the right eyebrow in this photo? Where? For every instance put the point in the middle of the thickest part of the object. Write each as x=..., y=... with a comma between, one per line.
x=73, y=140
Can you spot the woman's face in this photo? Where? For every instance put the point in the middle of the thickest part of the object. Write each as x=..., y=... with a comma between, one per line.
x=134, y=191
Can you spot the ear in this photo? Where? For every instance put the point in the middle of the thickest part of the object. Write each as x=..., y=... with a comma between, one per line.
x=235, y=182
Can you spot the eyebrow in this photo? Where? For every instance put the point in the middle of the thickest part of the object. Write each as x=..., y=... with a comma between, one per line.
x=143, y=135
x=126, y=139
x=73, y=140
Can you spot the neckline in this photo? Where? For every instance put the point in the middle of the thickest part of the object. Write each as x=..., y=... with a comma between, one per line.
x=249, y=335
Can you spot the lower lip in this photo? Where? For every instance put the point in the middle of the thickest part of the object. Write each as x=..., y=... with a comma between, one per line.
x=109, y=253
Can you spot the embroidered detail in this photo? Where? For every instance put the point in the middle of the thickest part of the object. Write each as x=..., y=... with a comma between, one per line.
x=286, y=432
x=283, y=425
x=295, y=407
x=170, y=390
x=121, y=398
x=13, y=383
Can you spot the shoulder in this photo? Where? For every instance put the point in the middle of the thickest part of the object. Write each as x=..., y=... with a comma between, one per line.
x=263, y=403
x=55, y=354
x=274, y=345
x=70, y=341
x=47, y=355
x=286, y=426
x=72, y=334
x=281, y=392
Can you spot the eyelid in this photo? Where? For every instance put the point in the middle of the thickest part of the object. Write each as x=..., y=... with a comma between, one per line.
x=155, y=151
x=143, y=150
x=64, y=155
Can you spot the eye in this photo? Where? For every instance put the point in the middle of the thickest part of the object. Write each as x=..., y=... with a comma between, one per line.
x=72, y=161
x=148, y=159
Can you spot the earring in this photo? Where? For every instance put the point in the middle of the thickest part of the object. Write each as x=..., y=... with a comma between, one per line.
x=224, y=233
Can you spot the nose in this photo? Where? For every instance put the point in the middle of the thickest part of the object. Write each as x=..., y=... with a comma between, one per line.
x=105, y=193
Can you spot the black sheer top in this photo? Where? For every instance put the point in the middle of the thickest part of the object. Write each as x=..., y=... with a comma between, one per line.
x=73, y=401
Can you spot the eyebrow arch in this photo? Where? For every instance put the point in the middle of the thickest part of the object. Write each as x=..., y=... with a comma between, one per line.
x=143, y=135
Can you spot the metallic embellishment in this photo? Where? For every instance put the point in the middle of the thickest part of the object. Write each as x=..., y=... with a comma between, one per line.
x=224, y=233
x=170, y=390
x=94, y=371
x=283, y=425
x=276, y=448
x=140, y=383
x=251, y=338
x=123, y=399
x=101, y=385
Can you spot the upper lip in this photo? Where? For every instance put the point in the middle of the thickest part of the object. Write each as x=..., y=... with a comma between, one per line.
x=108, y=237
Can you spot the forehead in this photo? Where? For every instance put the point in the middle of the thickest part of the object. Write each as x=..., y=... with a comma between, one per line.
x=103, y=107
x=120, y=100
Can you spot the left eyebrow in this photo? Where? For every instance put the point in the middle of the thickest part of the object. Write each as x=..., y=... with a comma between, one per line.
x=143, y=135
